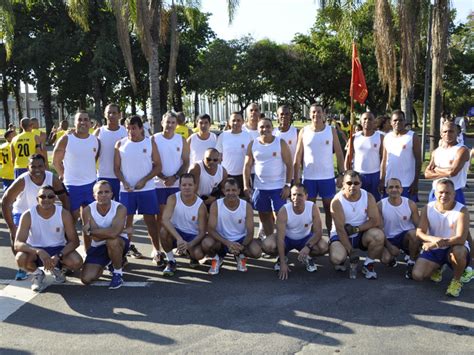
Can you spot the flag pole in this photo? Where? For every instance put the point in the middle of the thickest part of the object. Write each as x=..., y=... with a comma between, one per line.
x=352, y=120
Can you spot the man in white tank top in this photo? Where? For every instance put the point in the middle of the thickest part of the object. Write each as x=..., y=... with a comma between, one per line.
x=316, y=145
x=136, y=163
x=401, y=157
x=367, y=148
x=299, y=227
x=74, y=158
x=355, y=226
x=285, y=130
x=21, y=196
x=202, y=140
x=184, y=224
x=109, y=135
x=251, y=120
x=209, y=175
x=47, y=237
x=399, y=218
x=443, y=229
x=271, y=158
x=231, y=230
x=104, y=220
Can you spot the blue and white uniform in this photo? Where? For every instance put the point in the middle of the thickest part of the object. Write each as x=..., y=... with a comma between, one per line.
x=208, y=182
x=397, y=221
x=198, y=146
x=367, y=161
x=298, y=226
x=185, y=219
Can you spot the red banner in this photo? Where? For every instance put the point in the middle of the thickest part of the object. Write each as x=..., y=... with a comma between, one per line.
x=359, y=90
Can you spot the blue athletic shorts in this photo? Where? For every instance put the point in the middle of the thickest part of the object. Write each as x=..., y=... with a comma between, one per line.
x=356, y=241
x=163, y=194
x=297, y=244
x=370, y=183
x=186, y=236
x=99, y=255
x=267, y=200
x=115, y=183
x=441, y=256
x=224, y=250
x=6, y=184
x=458, y=198
x=16, y=219
x=140, y=202
x=324, y=188
x=18, y=171
x=51, y=251
x=398, y=241
x=80, y=195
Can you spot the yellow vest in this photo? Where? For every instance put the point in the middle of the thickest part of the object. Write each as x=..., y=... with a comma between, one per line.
x=7, y=165
x=24, y=145
x=182, y=130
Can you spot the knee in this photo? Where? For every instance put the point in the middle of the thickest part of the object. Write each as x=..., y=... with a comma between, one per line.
x=113, y=243
x=336, y=257
x=86, y=279
x=417, y=274
x=254, y=250
x=459, y=253
x=378, y=236
x=207, y=244
x=269, y=246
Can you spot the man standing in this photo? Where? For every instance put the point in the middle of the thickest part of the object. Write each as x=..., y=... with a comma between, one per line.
x=316, y=145
x=251, y=121
x=202, y=140
x=367, y=154
x=34, y=122
x=47, y=237
x=181, y=127
x=443, y=229
x=273, y=171
x=401, y=157
x=7, y=165
x=285, y=130
x=299, y=227
x=23, y=146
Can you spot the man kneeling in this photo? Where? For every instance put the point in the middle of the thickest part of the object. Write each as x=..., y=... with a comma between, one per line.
x=299, y=227
x=230, y=230
x=104, y=221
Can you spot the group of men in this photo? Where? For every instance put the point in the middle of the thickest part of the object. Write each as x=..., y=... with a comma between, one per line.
x=197, y=195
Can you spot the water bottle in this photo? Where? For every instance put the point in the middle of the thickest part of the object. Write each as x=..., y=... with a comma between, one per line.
x=354, y=261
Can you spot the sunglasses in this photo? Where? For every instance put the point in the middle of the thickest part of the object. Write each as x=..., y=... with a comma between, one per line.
x=350, y=183
x=49, y=197
x=214, y=160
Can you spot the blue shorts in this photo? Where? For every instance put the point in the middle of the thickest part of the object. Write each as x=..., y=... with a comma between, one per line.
x=99, y=255
x=224, y=250
x=115, y=183
x=163, y=194
x=140, y=202
x=441, y=256
x=267, y=200
x=51, y=251
x=80, y=195
x=356, y=241
x=370, y=183
x=18, y=171
x=6, y=184
x=458, y=198
x=16, y=219
x=324, y=188
x=398, y=241
x=186, y=236
x=297, y=244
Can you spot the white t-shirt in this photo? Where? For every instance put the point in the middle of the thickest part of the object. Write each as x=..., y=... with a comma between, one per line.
x=233, y=147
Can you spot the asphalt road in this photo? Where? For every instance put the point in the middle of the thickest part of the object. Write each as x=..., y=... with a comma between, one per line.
x=323, y=312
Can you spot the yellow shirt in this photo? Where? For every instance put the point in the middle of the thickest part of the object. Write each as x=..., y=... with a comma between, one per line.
x=59, y=134
x=24, y=145
x=36, y=131
x=7, y=165
x=182, y=130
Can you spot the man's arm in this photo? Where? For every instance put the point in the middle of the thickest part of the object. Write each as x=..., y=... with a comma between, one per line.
x=155, y=156
x=166, y=218
x=70, y=233
x=347, y=162
x=286, y=157
x=115, y=229
x=462, y=156
x=338, y=151
x=12, y=149
x=372, y=214
x=339, y=218
x=202, y=226
x=58, y=156
x=383, y=169
x=317, y=227
x=298, y=158
x=22, y=235
x=248, y=224
x=415, y=215
x=185, y=158
x=422, y=230
x=196, y=172
x=40, y=148
x=7, y=203
x=417, y=156
x=248, y=169
x=60, y=191
x=281, y=220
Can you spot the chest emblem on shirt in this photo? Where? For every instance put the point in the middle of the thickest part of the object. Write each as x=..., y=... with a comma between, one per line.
x=243, y=146
x=306, y=225
x=404, y=146
x=405, y=218
x=94, y=150
x=327, y=142
x=193, y=218
x=144, y=150
x=452, y=226
x=451, y=162
x=240, y=221
x=58, y=229
x=289, y=142
x=274, y=154
x=375, y=145
x=178, y=149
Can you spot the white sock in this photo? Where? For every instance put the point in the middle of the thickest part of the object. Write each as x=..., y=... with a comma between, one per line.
x=118, y=271
x=411, y=261
x=170, y=256
x=38, y=271
x=368, y=261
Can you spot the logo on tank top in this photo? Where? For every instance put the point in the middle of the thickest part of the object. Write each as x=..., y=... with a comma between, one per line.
x=240, y=221
x=58, y=229
x=327, y=142
x=404, y=146
x=178, y=149
x=451, y=162
x=405, y=218
x=94, y=150
x=193, y=218
x=243, y=146
x=144, y=150
x=274, y=154
x=306, y=225
x=289, y=142
x=375, y=145
x=452, y=226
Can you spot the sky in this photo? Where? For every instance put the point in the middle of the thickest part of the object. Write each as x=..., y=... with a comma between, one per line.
x=279, y=20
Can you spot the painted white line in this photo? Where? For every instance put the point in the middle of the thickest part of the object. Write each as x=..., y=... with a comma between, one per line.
x=76, y=282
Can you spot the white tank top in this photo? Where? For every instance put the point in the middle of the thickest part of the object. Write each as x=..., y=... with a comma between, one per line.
x=185, y=218
x=108, y=139
x=367, y=153
x=355, y=213
x=79, y=160
x=233, y=148
x=396, y=219
x=290, y=137
x=317, y=155
x=443, y=225
x=27, y=198
x=198, y=146
x=104, y=221
x=136, y=162
x=170, y=153
x=231, y=225
x=252, y=132
x=444, y=158
x=208, y=182
x=300, y=225
x=46, y=232
x=269, y=167
x=400, y=158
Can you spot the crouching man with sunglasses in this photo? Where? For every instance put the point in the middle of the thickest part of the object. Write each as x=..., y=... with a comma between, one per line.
x=355, y=219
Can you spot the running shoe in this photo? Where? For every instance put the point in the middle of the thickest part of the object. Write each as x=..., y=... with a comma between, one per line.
x=454, y=288
x=37, y=283
x=133, y=252
x=216, y=264
x=393, y=263
x=21, y=275
x=110, y=269
x=170, y=269
x=193, y=263
x=369, y=271
x=159, y=259
x=409, y=272
x=309, y=263
x=437, y=276
x=116, y=282
x=467, y=276
x=276, y=267
x=59, y=276
x=241, y=261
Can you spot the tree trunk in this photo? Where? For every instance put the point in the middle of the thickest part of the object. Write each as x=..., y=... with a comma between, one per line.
x=174, y=49
x=196, y=108
x=144, y=109
x=406, y=101
x=154, y=77
x=178, y=97
x=97, y=101
x=17, y=93
x=44, y=94
x=5, y=92
x=133, y=104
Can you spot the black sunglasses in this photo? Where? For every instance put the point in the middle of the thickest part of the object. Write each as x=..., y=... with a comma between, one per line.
x=49, y=197
x=350, y=183
x=214, y=160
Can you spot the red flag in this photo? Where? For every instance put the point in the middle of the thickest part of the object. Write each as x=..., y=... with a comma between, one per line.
x=359, y=90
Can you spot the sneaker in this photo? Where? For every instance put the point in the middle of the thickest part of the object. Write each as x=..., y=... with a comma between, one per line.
x=309, y=263
x=124, y=261
x=437, y=276
x=216, y=264
x=159, y=259
x=59, y=276
x=408, y=273
x=369, y=271
x=170, y=269
x=116, y=282
x=37, y=283
x=393, y=263
x=241, y=261
x=133, y=252
x=21, y=275
x=276, y=267
x=193, y=263
x=454, y=288
x=340, y=267
x=467, y=276
x=261, y=235
x=110, y=269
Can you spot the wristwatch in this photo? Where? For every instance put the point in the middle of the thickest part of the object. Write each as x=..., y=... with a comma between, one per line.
x=288, y=184
x=60, y=255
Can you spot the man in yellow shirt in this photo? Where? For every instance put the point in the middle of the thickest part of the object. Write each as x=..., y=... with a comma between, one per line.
x=7, y=164
x=181, y=128
x=23, y=146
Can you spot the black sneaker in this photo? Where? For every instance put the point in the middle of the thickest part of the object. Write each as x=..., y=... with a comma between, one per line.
x=408, y=273
x=393, y=263
x=159, y=259
x=193, y=263
x=170, y=268
x=133, y=252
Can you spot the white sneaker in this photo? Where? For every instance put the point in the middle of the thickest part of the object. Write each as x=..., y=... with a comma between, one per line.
x=37, y=282
x=215, y=265
x=59, y=276
x=241, y=261
x=276, y=267
x=309, y=263
x=369, y=271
